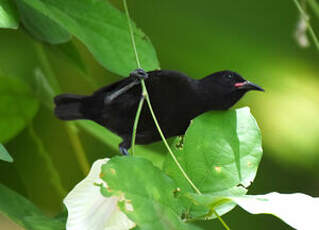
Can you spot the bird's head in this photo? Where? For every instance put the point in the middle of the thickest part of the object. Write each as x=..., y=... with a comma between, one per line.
x=232, y=81
x=228, y=86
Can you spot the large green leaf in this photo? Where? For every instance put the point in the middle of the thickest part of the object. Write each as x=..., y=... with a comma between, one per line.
x=36, y=169
x=69, y=52
x=4, y=155
x=8, y=15
x=221, y=150
x=149, y=195
x=103, y=29
x=17, y=107
x=24, y=213
x=40, y=26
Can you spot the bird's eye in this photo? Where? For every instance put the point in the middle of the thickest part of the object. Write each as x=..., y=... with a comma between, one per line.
x=229, y=76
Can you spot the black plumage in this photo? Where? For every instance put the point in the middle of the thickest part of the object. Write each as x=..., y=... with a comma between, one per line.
x=175, y=97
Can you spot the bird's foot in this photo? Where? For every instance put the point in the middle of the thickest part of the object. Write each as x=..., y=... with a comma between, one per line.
x=124, y=146
x=139, y=74
x=124, y=151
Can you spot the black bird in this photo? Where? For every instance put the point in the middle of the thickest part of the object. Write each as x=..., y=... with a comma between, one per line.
x=175, y=97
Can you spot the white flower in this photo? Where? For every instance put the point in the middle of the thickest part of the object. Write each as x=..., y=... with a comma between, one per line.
x=88, y=209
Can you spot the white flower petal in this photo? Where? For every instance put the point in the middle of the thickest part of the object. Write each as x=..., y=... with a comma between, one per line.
x=298, y=210
x=89, y=210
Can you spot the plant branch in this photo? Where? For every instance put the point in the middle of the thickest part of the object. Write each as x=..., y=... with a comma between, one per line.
x=137, y=117
x=131, y=34
x=145, y=95
x=306, y=18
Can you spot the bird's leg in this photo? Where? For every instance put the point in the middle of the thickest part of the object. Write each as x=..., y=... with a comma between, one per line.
x=124, y=146
x=136, y=76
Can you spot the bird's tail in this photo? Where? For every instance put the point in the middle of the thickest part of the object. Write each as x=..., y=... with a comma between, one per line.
x=68, y=106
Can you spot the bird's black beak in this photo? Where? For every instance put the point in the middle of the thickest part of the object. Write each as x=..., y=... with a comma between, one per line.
x=247, y=85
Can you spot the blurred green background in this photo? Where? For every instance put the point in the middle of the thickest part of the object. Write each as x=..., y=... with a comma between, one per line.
x=253, y=38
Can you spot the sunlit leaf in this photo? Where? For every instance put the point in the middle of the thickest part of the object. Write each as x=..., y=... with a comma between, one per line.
x=4, y=155
x=149, y=196
x=220, y=151
x=41, y=26
x=8, y=15
x=17, y=107
x=103, y=29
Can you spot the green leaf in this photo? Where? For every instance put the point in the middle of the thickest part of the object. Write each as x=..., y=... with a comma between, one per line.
x=41, y=26
x=44, y=223
x=4, y=155
x=217, y=201
x=70, y=53
x=221, y=150
x=15, y=206
x=24, y=213
x=8, y=15
x=43, y=90
x=29, y=152
x=17, y=107
x=103, y=29
x=149, y=196
x=298, y=210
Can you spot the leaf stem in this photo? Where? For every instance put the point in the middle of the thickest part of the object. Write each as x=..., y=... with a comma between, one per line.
x=137, y=117
x=221, y=220
x=131, y=34
x=165, y=142
x=145, y=95
x=139, y=109
x=306, y=18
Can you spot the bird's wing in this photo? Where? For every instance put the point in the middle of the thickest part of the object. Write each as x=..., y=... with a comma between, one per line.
x=109, y=89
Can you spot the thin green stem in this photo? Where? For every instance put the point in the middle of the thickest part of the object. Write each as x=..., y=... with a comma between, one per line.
x=137, y=118
x=221, y=220
x=145, y=95
x=131, y=34
x=164, y=140
x=138, y=113
x=306, y=18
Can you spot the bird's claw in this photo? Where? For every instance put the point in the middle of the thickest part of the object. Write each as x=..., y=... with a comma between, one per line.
x=139, y=74
x=124, y=151
x=124, y=146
